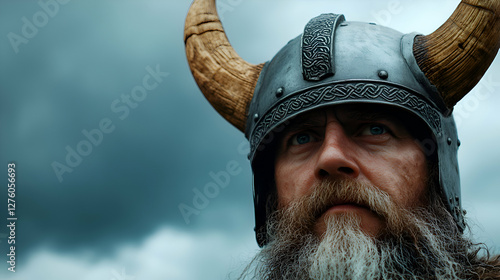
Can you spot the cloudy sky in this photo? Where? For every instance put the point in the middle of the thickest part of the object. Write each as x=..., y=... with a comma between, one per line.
x=101, y=176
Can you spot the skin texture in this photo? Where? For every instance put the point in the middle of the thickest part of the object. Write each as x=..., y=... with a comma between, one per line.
x=368, y=143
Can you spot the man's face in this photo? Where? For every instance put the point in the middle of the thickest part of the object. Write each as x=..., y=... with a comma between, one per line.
x=367, y=144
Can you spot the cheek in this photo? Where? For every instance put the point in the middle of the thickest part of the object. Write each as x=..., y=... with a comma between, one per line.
x=282, y=186
x=413, y=179
x=403, y=175
x=293, y=180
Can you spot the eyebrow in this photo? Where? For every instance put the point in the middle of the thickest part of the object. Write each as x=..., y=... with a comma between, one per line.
x=305, y=121
x=317, y=119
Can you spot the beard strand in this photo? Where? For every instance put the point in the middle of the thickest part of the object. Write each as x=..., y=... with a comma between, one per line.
x=358, y=251
x=415, y=244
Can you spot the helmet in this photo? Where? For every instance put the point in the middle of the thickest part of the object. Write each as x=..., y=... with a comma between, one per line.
x=336, y=62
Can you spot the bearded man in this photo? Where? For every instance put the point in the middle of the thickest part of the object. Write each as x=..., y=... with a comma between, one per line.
x=353, y=143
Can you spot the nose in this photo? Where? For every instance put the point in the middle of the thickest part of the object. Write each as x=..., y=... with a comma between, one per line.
x=337, y=155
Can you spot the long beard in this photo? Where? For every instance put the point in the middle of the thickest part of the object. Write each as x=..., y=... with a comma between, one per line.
x=415, y=244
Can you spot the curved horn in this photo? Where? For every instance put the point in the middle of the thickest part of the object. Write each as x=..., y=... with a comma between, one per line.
x=226, y=80
x=457, y=54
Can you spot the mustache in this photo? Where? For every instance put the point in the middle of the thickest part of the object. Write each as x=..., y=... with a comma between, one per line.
x=328, y=193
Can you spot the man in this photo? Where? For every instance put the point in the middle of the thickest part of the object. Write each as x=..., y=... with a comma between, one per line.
x=353, y=143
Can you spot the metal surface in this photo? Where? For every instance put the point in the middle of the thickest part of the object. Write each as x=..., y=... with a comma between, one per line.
x=317, y=47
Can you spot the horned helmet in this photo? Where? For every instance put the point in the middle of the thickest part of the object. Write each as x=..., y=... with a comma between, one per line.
x=336, y=61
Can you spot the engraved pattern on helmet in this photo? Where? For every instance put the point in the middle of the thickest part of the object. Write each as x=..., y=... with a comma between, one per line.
x=317, y=47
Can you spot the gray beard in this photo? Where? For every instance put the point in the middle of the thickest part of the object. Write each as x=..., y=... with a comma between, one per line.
x=416, y=244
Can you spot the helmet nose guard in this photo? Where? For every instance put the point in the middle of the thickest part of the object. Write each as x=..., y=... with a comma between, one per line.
x=337, y=62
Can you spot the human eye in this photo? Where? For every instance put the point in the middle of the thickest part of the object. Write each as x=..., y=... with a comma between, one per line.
x=373, y=130
x=301, y=138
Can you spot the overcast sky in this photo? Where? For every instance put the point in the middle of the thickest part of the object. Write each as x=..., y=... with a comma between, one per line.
x=112, y=212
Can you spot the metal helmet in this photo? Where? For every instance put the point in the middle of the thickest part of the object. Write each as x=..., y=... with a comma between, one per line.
x=334, y=62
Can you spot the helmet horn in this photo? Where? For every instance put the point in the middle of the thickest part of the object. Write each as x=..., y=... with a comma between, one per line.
x=455, y=56
x=226, y=80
